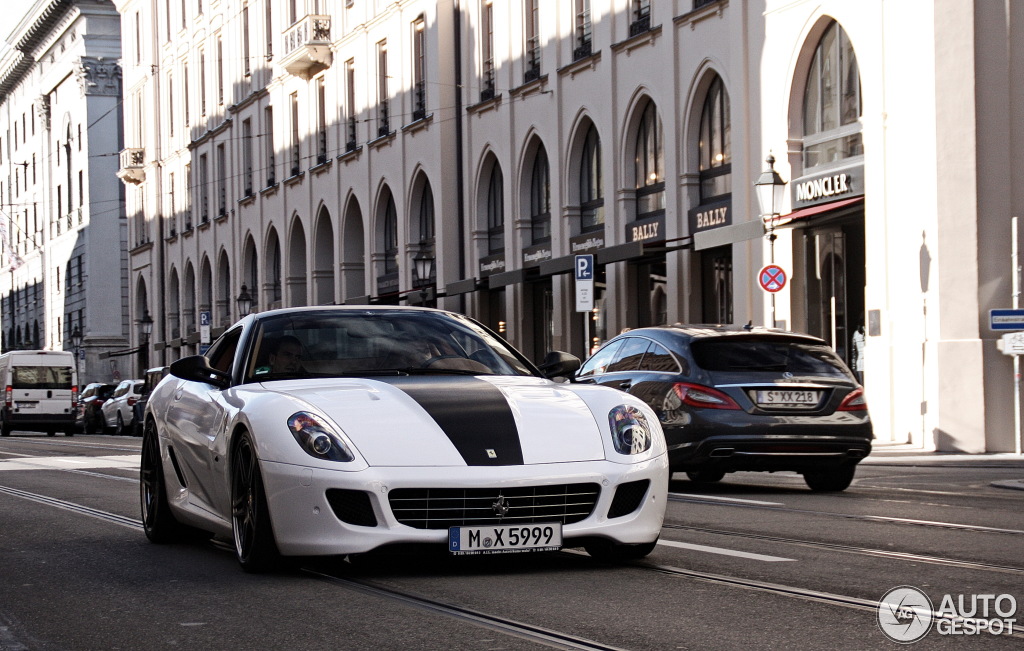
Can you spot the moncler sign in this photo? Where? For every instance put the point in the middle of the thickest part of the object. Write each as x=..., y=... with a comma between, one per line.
x=838, y=184
x=827, y=186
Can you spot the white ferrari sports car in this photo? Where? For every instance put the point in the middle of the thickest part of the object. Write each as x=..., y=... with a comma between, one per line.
x=339, y=430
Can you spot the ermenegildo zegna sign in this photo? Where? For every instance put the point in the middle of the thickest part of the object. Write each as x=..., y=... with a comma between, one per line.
x=837, y=184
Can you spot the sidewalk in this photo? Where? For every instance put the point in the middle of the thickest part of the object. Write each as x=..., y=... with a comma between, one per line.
x=902, y=454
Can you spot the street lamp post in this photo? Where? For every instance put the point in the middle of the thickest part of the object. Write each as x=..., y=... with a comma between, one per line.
x=423, y=267
x=76, y=343
x=244, y=301
x=145, y=330
x=770, y=187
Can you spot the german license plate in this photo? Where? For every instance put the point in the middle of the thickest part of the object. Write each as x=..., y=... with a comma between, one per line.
x=788, y=398
x=505, y=539
x=25, y=405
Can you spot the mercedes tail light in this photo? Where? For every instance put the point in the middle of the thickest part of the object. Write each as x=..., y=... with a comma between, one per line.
x=855, y=401
x=698, y=395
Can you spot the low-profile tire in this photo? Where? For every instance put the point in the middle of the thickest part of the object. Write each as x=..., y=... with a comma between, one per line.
x=831, y=480
x=255, y=547
x=612, y=552
x=705, y=476
x=119, y=425
x=157, y=520
x=89, y=424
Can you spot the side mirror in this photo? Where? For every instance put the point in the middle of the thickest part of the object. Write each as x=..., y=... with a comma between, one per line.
x=559, y=364
x=196, y=368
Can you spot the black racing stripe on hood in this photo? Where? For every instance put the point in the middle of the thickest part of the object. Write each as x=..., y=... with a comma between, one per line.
x=473, y=413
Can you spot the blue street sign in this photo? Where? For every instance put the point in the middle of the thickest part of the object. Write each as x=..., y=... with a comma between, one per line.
x=204, y=317
x=585, y=267
x=1006, y=319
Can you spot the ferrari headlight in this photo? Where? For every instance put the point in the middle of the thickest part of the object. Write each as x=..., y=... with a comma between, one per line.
x=317, y=439
x=631, y=433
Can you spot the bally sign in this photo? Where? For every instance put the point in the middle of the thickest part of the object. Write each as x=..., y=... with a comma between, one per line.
x=838, y=184
x=709, y=216
x=647, y=230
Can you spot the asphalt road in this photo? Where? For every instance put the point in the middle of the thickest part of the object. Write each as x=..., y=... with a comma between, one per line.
x=755, y=561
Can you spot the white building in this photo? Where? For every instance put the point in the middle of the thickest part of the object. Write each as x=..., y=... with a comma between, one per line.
x=312, y=152
x=61, y=208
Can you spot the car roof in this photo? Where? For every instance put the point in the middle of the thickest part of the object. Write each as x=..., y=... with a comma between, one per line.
x=695, y=331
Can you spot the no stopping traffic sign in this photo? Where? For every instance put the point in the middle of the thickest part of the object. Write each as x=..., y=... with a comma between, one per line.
x=772, y=278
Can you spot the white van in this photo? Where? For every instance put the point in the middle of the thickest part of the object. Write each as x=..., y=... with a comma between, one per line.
x=40, y=391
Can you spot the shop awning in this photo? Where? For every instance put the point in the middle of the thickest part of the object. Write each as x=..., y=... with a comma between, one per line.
x=810, y=211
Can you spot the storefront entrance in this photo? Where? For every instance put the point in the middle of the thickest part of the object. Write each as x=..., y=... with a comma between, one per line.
x=834, y=259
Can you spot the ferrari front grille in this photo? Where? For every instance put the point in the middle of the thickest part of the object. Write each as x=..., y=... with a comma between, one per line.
x=440, y=508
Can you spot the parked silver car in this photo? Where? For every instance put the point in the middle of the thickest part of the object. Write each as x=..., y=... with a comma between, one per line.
x=117, y=411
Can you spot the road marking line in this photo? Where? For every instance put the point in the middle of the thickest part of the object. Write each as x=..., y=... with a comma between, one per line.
x=724, y=552
x=694, y=496
x=62, y=463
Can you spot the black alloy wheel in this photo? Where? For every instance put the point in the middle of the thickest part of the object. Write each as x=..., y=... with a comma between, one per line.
x=255, y=547
x=119, y=427
x=157, y=520
x=831, y=480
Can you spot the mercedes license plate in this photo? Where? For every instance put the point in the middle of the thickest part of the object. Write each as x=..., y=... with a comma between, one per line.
x=788, y=398
x=505, y=539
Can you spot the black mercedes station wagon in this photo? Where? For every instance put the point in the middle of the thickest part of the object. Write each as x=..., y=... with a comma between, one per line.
x=740, y=398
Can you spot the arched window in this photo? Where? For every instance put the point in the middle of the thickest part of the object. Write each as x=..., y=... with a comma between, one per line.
x=591, y=184
x=390, y=236
x=540, y=198
x=832, y=102
x=714, y=145
x=649, y=165
x=495, y=211
x=426, y=215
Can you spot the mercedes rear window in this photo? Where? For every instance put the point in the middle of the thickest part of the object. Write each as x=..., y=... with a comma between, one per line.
x=41, y=377
x=768, y=356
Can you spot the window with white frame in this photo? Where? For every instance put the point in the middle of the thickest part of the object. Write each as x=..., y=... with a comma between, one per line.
x=584, y=46
x=487, y=51
x=531, y=69
x=649, y=164
x=296, y=135
x=715, y=144
x=419, y=69
x=247, y=177
x=832, y=102
x=383, y=96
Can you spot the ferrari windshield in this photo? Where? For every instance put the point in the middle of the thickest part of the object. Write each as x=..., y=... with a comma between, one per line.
x=353, y=343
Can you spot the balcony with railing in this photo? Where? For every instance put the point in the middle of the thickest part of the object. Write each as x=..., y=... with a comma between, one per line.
x=307, y=46
x=133, y=160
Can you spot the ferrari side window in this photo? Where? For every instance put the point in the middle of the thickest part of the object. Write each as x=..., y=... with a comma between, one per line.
x=222, y=353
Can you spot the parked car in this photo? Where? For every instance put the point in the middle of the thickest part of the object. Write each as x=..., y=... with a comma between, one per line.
x=117, y=410
x=90, y=417
x=153, y=377
x=743, y=398
x=339, y=430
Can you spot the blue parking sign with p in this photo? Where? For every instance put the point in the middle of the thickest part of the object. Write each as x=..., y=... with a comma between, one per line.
x=585, y=267
x=584, y=282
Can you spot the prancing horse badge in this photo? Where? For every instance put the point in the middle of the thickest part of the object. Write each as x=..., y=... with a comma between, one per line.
x=491, y=454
